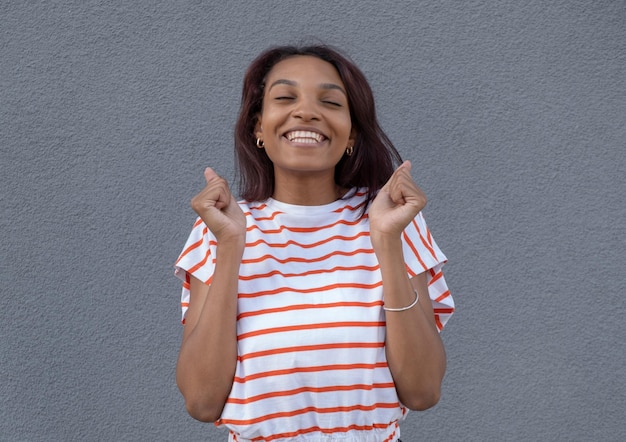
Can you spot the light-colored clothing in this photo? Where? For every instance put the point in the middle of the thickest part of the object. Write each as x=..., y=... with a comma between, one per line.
x=311, y=328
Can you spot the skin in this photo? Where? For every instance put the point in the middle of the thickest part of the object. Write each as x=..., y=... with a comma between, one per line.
x=306, y=93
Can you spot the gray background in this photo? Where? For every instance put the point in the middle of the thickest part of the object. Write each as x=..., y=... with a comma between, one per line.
x=513, y=113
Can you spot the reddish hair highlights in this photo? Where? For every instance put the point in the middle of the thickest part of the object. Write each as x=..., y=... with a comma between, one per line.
x=374, y=158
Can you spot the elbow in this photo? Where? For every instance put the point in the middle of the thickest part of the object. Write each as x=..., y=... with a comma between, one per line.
x=202, y=411
x=423, y=393
x=202, y=402
x=423, y=400
x=201, y=405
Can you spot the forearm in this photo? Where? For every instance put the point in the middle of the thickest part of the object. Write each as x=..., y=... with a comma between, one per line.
x=208, y=354
x=414, y=350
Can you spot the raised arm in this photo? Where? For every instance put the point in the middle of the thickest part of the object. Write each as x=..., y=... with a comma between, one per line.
x=414, y=350
x=208, y=353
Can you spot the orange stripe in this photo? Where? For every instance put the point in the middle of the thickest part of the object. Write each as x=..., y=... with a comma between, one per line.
x=306, y=246
x=295, y=391
x=194, y=245
x=289, y=328
x=410, y=271
x=349, y=207
x=426, y=243
x=201, y=263
x=259, y=207
x=285, y=371
x=297, y=259
x=438, y=322
x=189, y=249
x=311, y=290
x=265, y=218
x=309, y=306
x=305, y=410
x=415, y=252
x=391, y=436
x=311, y=272
x=298, y=348
x=303, y=229
x=443, y=296
x=435, y=277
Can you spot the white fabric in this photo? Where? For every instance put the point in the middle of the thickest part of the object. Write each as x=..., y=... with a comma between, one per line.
x=310, y=323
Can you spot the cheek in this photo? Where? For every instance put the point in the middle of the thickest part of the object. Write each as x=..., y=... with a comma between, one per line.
x=345, y=121
x=270, y=122
x=346, y=127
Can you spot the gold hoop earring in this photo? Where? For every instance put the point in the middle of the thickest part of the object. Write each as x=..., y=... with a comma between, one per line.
x=349, y=150
x=259, y=143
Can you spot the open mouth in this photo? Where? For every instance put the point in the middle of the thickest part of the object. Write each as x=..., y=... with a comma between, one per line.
x=304, y=136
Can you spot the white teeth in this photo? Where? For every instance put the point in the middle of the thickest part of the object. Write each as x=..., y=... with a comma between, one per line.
x=304, y=136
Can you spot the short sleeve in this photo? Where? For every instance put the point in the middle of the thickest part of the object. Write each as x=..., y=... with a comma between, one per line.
x=422, y=254
x=197, y=259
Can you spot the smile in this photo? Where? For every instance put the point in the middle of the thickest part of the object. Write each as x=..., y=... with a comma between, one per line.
x=304, y=136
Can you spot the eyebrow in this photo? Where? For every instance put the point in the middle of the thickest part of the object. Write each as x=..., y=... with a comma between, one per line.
x=328, y=86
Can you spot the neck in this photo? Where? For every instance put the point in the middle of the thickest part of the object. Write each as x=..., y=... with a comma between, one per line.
x=307, y=191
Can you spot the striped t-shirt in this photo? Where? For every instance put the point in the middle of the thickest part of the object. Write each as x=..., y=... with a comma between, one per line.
x=310, y=326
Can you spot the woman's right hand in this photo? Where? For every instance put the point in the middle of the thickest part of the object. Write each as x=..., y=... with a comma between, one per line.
x=219, y=210
x=208, y=355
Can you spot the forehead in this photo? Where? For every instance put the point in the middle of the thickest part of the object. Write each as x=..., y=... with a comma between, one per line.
x=304, y=68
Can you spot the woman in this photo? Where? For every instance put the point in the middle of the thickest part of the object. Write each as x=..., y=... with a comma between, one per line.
x=312, y=307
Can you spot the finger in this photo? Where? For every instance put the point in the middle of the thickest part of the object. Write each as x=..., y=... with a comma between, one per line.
x=392, y=178
x=406, y=165
x=400, y=183
x=215, y=194
x=223, y=196
x=403, y=169
x=209, y=174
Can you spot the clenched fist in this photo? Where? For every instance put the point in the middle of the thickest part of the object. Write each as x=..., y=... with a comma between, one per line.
x=396, y=204
x=219, y=210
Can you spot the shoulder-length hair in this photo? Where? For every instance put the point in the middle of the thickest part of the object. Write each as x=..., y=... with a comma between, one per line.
x=374, y=157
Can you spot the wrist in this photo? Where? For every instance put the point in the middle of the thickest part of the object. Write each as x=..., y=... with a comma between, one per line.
x=385, y=241
x=402, y=309
x=231, y=246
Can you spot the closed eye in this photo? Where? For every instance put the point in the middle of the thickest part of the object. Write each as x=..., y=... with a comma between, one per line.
x=332, y=103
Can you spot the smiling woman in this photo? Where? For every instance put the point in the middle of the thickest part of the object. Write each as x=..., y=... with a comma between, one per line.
x=306, y=128
x=312, y=306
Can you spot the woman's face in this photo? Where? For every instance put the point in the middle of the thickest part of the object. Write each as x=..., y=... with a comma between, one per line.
x=305, y=121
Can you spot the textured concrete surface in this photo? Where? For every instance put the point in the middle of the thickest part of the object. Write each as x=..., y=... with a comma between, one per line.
x=513, y=112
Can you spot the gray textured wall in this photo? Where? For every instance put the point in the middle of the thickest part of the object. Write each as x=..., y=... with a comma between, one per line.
x=514, y=115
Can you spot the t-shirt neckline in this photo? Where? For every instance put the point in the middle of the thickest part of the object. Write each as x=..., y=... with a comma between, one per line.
x=296, y=209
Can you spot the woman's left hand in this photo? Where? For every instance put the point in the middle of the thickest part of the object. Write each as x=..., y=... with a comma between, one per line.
x=396, y=204
x=414, y=350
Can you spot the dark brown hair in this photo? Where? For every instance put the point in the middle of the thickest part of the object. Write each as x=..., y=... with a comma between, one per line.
x=374, y=158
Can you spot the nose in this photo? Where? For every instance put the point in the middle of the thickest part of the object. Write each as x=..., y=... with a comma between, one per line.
x=306, y=109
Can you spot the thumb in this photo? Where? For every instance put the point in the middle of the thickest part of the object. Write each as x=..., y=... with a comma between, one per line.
x=209, y=174
x=405, y=165
x=403, y=169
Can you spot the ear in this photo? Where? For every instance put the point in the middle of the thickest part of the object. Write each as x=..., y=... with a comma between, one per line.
x=352, y=139
x=258, y=129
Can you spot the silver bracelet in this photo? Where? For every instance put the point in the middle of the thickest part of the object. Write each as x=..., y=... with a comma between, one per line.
x=401, y=309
